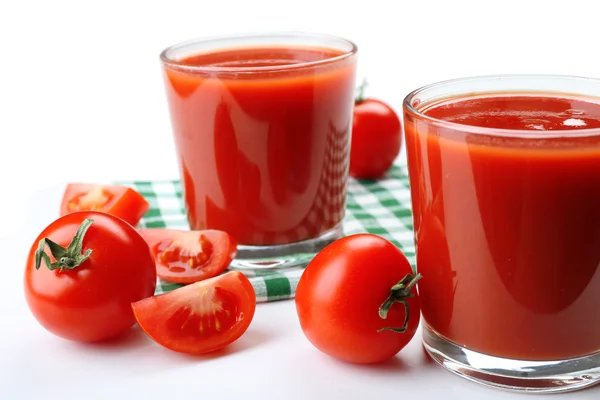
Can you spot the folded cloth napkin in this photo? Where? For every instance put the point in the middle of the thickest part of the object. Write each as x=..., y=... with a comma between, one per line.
x=381, y=207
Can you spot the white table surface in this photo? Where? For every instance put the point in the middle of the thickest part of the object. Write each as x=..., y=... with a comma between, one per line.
x=81, y=99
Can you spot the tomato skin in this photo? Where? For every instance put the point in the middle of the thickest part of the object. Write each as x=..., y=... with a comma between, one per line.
x=339, y=295
x=120, y=201
x=222, y=249
x=92, y=302
x=173, y=319
x=376, y=139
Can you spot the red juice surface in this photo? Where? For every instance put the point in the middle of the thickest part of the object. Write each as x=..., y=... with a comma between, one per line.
x=264, y=155
x=507, y=229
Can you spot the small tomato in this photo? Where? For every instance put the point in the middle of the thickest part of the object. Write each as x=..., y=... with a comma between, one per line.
x=376, y=139
x=357, y=300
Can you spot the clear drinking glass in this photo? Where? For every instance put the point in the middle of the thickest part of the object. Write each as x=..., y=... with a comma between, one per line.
x=507, y=232
x=262, y=128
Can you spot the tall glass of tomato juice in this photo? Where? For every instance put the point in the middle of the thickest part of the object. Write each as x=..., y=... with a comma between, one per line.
x=505, y=186
x=262, y=125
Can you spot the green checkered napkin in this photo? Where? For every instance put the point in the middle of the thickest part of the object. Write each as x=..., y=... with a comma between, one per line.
x=381, y=207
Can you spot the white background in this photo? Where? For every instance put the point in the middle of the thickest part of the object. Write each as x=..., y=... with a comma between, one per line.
x=81, y=99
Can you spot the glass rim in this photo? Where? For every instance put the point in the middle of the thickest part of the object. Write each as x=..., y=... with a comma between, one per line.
x=501, y=132
x=168, y=60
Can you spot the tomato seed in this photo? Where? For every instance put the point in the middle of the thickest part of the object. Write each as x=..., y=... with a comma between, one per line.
x=201, y=258
x=171, y=253
x=175, y=254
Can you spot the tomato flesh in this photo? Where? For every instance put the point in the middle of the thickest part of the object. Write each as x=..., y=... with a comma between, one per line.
x=212, y=317
x=200, y=317
x=93, y=200
x=190, y=256
x=120, y=201
x=178, y=256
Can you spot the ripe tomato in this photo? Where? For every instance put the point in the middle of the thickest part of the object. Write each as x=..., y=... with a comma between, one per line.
x=346, y=300
x=86, y=292
x=120, y=201
x=189, y=256
x=376, y=139
x=201, y=317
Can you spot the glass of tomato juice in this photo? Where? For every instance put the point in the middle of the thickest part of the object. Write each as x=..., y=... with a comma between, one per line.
x=261, y=124
x=505, y=188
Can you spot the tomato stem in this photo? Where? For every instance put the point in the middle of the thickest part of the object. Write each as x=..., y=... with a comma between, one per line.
x=399, y=293
x=66, y=258
x=360, y=96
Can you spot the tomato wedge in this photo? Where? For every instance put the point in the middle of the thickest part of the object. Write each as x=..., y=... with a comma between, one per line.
x=189, y=256
x=120, y=201
x=201, y=317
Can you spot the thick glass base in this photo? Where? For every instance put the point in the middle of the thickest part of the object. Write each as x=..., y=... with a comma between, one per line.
x=515, y=375
x=283, y=256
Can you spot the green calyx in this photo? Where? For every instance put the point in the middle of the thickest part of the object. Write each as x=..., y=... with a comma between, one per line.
x=399, y=293
x=360, y=92
x=66, y=258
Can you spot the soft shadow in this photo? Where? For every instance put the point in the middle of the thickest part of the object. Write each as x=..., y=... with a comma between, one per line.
x=593, y=389
x=130, y=339
x=393, y=365
x=136, y=340
x=249, y=340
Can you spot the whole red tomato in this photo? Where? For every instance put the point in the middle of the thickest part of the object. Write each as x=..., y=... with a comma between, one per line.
x=357, y=300
x=82, y=274
x=376, y=139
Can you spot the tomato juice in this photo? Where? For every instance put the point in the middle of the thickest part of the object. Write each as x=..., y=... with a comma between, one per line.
x=506, y=201
x=262, y=137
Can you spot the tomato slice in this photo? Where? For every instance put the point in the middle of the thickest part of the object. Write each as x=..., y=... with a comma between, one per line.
x=120, y=201
x=201, y=317
x=189, y=256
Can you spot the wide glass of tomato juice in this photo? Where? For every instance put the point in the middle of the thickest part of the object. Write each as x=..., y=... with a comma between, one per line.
x=261, y=124
x=505, y=185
